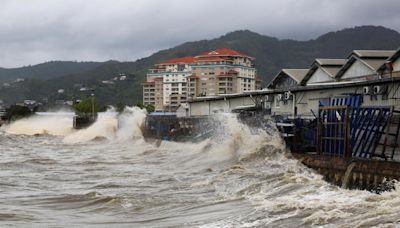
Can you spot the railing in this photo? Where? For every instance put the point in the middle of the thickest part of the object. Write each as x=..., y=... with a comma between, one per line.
x=345, y=131
x=333, y=131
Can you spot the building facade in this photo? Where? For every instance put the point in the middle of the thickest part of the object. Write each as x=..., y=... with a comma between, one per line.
x=213, y=73
x=166, y=85
x=372, y=75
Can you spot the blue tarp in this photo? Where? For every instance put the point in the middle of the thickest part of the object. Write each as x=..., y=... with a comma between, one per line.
x=354, y=101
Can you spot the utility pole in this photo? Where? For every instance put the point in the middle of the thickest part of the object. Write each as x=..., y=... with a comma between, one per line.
x=92, y=104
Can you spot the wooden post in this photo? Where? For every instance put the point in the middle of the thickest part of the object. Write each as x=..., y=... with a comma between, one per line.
x=347, y=152
x=319, y=135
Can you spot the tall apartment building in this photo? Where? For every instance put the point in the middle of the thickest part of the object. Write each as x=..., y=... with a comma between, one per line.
x=213, y=73
x=221, y=71
x=165, y=87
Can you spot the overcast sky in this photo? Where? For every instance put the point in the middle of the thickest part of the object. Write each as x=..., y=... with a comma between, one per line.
x=35, y=31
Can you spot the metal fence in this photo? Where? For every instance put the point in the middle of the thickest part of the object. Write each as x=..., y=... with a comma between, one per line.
x=345, y=131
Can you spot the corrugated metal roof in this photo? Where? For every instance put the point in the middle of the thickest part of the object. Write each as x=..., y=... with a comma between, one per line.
x=331, y=70
x=329, y=66
x=374, y=53
x=374, y=63
x=373, y=59
x=323, y=62
x=392, y=58
x=320, y=86
x=395, y=55
x=296, y=74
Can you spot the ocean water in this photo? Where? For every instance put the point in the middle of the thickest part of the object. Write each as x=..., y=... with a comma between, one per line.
x=108, y=176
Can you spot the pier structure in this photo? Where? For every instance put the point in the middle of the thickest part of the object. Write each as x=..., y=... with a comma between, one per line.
x=340, y=116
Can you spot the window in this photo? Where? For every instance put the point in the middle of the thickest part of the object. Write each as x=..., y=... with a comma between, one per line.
x=181, y=67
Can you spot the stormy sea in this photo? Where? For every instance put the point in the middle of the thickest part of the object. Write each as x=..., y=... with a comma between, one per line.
x=108, y=175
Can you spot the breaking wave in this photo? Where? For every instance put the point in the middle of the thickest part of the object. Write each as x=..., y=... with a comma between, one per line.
x=241, y=177
x=109, y=126
x=59, y=124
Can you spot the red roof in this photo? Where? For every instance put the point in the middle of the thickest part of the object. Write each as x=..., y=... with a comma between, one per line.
x=187, y=59
x=222, y=52
x=148, y=83
x=210, y=58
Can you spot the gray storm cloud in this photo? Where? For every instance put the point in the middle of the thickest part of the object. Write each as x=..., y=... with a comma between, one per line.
x=36, y=31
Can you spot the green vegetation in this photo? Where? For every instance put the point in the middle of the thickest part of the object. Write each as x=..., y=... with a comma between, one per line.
x=86, y=105
x=47, y=70
x=271, y=55
x=15, y=112
x=120, y=107
x=149, y=108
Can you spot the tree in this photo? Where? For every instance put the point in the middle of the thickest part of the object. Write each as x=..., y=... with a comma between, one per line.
x=15, y=112
x=149, y=108
x=86, y=105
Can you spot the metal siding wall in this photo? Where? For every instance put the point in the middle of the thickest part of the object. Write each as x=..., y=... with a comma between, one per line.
x=241, y=101
x=357, y=69
x=219, y=106
x=310, y=101
x=396, y=65
x=248, y=101
x=199, y=108
x=284, y=109
x=393, y=97
x=319, y=76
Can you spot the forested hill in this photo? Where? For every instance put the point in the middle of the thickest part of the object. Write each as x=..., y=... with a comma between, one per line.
x=46, y=70
x=271, y=55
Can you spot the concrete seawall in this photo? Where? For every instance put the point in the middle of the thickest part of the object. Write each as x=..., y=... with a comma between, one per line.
x=355, y=173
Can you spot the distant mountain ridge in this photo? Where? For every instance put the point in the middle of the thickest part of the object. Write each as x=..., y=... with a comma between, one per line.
x=271, y=55
x=46, y=70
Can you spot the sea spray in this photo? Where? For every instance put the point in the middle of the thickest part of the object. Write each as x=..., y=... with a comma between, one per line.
x=237, y=140
x=240, y=177
x=104, y=128
x=130, y=124
x=58, y=123
x=112, y=126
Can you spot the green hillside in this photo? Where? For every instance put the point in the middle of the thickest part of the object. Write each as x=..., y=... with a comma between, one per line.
x=46, y=70
x=271, y=55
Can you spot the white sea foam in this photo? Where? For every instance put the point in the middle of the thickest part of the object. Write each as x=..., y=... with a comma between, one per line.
x=237, y=164
x=59, y=124
x=110, y=125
